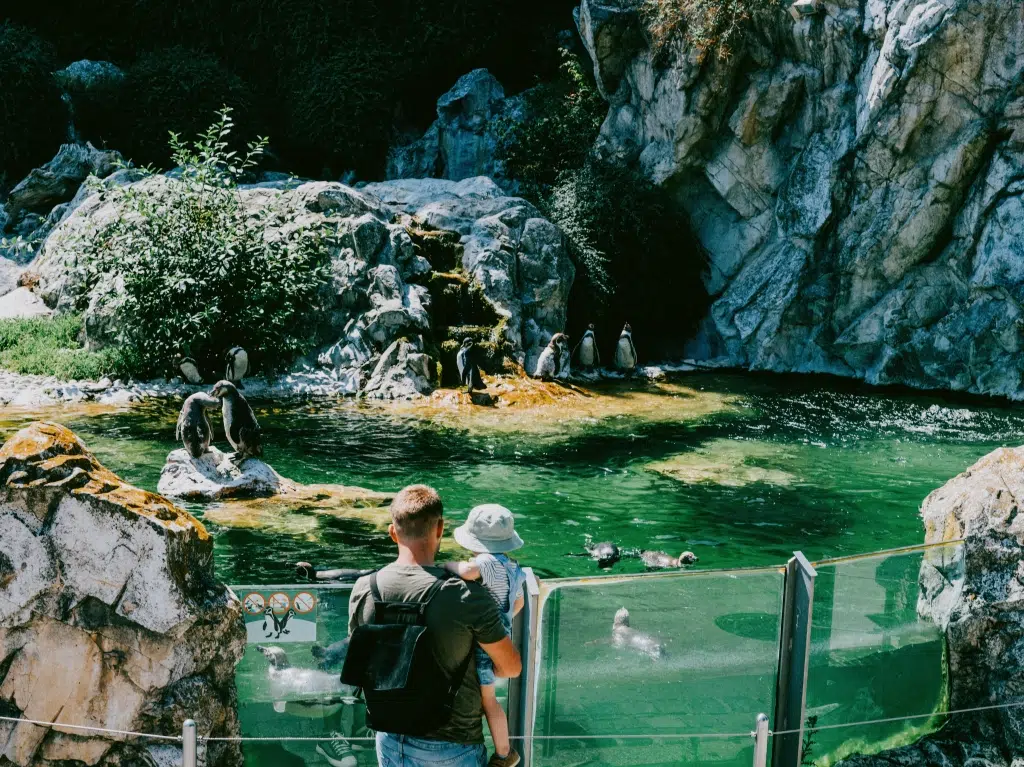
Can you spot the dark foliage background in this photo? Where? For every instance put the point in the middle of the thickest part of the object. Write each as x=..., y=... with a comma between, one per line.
x=328, y=80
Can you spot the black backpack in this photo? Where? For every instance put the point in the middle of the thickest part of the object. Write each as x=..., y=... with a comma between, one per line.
x=392, y=659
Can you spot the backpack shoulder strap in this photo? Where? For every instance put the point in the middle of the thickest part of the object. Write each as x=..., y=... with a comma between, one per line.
x=374, y=591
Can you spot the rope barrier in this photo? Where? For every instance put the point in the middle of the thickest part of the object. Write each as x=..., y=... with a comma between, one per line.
x=89, y=729
x=623, y=736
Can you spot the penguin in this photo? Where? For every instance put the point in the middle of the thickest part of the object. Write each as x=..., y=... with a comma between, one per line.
x=268, y=613
x=240, y=424
x=332, y=656
x=586, y=350
x=189, y=369
x=194, y=429
x=238, y=365
x=280, y=624
x=343, y=574
x=549, y=364
x=625, y=352
x=659, y=560
x=288, y=682
x=605, y=553
x=623, y=635
x=469, y=371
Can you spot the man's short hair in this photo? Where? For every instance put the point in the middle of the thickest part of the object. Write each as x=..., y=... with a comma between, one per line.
x=414, y=510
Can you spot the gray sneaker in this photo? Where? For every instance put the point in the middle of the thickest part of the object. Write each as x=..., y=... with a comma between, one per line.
x=362, y=745
x=337, y=751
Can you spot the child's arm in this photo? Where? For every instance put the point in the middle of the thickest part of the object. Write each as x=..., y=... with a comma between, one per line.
x=518, y=605
x=468, y=571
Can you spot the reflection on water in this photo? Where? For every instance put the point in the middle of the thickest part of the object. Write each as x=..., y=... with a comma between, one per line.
x=769, y=465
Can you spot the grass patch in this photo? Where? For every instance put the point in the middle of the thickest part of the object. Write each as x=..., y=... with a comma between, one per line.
x=50, y=346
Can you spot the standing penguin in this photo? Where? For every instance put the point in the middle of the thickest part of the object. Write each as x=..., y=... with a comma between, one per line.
x=625, y=352
x=189, y=369
x=549, y=364
x=194, y=429
x=240, y=424
x=586, y=350
x=469, y=372
x=238, y=365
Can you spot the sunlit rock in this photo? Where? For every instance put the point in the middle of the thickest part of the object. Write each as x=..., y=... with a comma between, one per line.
x=110, y=615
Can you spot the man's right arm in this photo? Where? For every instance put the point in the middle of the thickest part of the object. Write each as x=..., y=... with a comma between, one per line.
x=507, y=663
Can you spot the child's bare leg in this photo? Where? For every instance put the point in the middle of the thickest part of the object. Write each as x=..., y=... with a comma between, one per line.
x=496, y=719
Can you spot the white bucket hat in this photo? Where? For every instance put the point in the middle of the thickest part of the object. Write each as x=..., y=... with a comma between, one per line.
x=489, y=528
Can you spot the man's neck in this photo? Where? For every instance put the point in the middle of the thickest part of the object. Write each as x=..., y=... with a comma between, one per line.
x=415, y=555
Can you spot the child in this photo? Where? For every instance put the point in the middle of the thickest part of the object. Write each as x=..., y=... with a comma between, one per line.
x=489, y=532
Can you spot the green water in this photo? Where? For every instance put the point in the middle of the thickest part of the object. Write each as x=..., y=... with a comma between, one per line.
x=740, y=469
x=796, y=463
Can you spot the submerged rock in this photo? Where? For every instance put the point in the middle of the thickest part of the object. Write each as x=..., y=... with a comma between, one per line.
x=855, y=177
x=110, y=615
x=977, y=599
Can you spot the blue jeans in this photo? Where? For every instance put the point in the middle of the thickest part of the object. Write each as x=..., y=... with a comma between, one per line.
x=407, y=751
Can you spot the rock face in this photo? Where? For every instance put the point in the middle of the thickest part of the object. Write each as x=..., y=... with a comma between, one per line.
x=59, y=179
x=377, y=293
x=978, y=600
x=514, y=253
x=461, y=143
x=402, y=373
x=110, y=615
x=856, y=177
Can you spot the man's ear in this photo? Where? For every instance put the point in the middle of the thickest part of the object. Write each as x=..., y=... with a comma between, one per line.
x=440, y=527
x=392, y=532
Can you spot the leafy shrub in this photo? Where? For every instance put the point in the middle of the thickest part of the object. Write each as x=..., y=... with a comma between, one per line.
x=198, y=275
x=50, y=346
x=708, y=25
x=169, y=90
x=565, y=116
x=32, y=118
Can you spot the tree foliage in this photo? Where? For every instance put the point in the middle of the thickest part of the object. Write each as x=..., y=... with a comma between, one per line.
x=709, y=25
x=196, y=273
x=32, y=117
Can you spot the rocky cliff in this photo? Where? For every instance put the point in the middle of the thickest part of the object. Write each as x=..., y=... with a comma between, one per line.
x=856, y=177
x=110, y=615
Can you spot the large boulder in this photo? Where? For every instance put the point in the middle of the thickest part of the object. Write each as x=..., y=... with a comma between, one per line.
x=977, y=599
x=516, y=258
x=462, y=142
x=110, y=614
x=403, y=372
x=59, y=180
x=855, y=177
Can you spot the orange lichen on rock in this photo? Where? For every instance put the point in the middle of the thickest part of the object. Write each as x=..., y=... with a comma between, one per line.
x=48, y=455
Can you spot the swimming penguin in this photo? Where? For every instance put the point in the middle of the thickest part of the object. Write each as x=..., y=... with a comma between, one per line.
x=332, y=656
x=189, y=369
x=287, y=682
x=549, y=364
x=605, y=553
x=659, y=560
x=623, y=635
x=194, y=429
x=469, y=372
x=240, y=424
x=625, y=352
x=343, y=574
x=586, y=350
x=238, y=365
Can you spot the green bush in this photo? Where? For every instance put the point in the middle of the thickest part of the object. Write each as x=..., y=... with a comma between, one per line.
x=708, y=25
x=198, y=276
x=32, y=118
x=169, y=90
x=49, y=346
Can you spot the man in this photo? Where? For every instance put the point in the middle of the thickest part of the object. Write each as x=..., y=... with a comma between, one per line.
x=460, y=614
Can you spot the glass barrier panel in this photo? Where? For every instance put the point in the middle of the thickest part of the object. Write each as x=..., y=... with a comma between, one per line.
x=872, y=655
x=306, y=699
x=699, y=656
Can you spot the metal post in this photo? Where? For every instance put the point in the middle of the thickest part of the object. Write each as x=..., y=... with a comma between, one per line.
x=794, y=656
x=189, y=756
x=522, y=692
x=760, y=735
